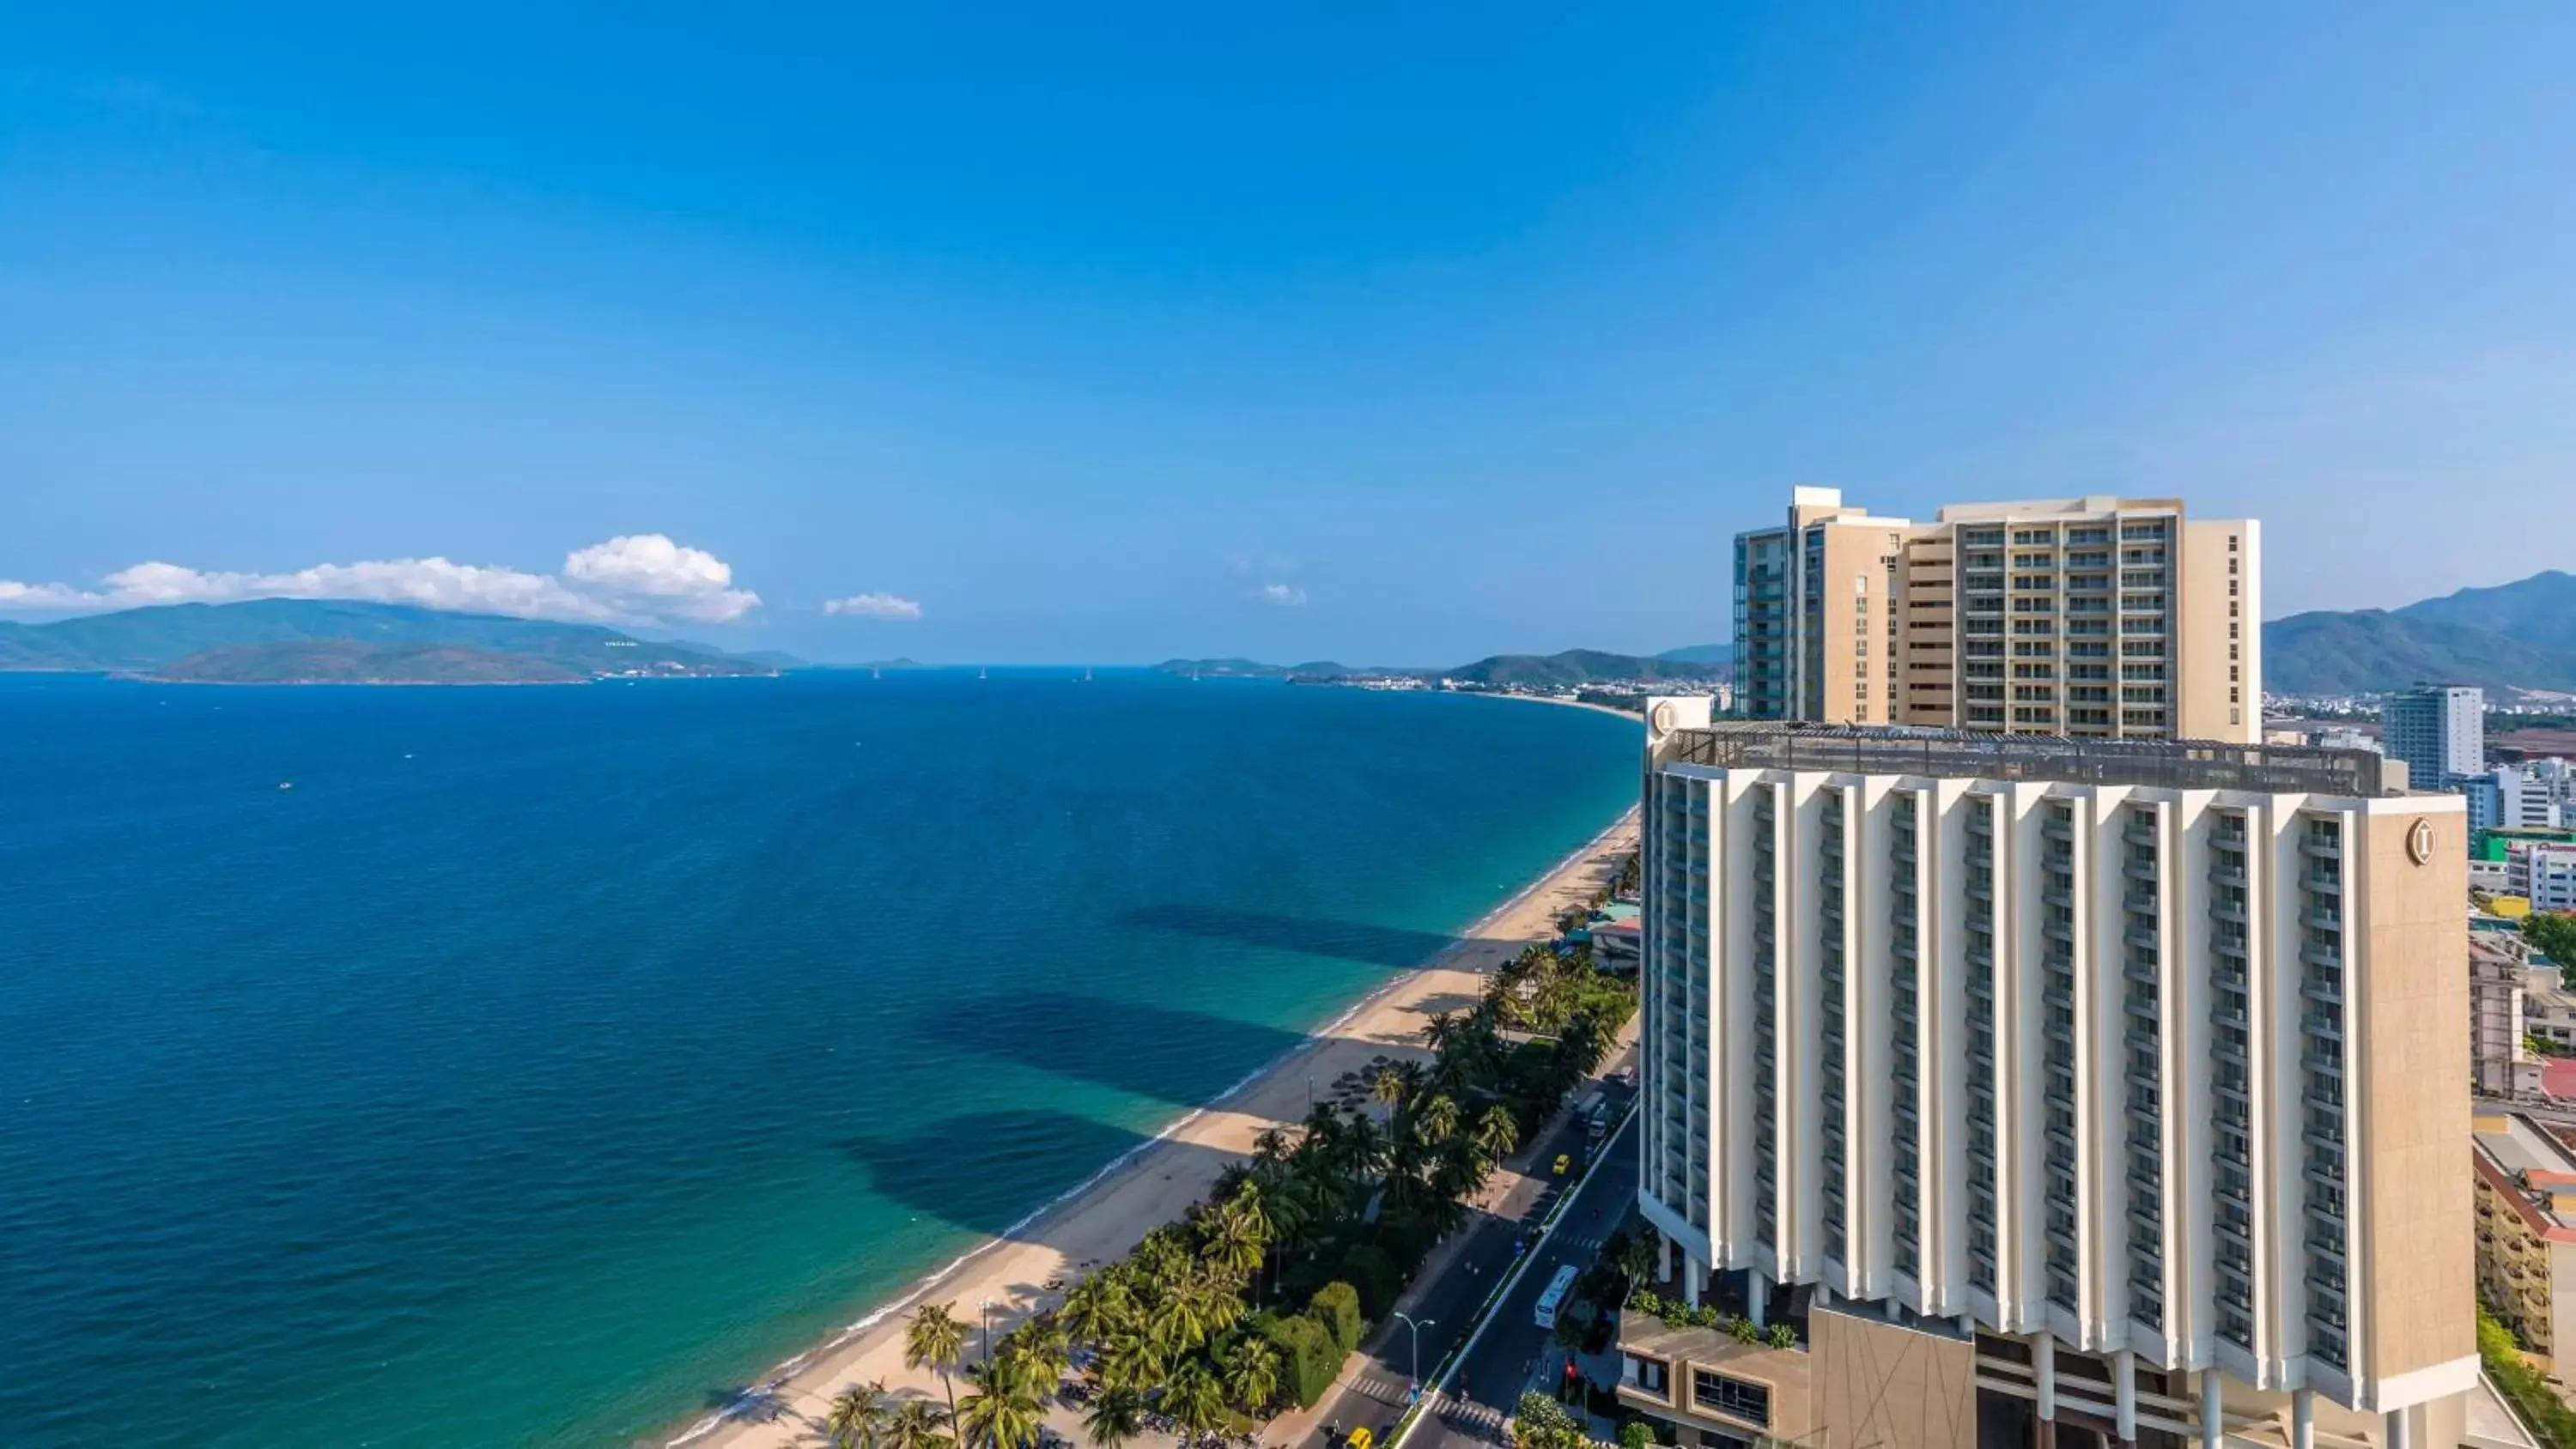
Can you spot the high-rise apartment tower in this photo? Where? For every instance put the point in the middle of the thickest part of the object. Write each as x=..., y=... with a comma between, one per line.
x=2101, y=618
x=2439, y=730
x=2097, y=1090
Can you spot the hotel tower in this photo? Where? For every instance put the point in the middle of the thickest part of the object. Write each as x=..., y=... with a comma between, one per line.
x=2052, y=1091
x=2095, y=618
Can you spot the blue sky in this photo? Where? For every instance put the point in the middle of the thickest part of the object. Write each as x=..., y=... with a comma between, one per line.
x=1111, y=333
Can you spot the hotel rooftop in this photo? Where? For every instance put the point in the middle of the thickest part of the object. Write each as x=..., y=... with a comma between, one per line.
x=1982, y=755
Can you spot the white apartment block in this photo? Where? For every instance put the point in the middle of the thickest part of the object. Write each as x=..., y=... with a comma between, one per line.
x=2439, y=730
x=2549, y=877
x=2099, y=617
x=2539, y=795
x=2142, y=1068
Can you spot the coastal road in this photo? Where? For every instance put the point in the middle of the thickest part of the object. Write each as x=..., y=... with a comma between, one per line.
x=1372, y=1391
x=1516, y=1354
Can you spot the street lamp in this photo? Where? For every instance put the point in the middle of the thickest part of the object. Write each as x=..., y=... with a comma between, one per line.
x=988, y=1330
x=1417, y=1349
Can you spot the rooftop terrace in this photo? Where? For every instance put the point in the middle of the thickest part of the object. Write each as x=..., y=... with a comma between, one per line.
x=1971, y=754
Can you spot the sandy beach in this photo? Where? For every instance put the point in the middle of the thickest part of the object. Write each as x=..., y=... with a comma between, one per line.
x=1104, y=1219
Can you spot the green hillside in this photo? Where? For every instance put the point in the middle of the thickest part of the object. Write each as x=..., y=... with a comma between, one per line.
x=1581, y=666
x=2539, y=611
x=146, y=641
x=2372, y=651
x=347, y=661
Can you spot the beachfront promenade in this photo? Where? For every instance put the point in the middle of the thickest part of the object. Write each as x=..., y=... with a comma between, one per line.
x=1023, y=1272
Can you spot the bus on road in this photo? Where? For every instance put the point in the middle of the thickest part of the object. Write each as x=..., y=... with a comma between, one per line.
x=1554, y=1298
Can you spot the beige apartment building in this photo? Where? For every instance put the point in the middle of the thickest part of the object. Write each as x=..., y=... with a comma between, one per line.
x=2060, y=1091
x=2097, y=618
x=2526, y=1196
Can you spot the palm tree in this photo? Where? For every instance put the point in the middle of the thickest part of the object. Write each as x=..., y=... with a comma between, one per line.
x=1177, y=1323
x=936, y=1339
x=1361, y=1150
x=1439, y=1031
x=916, y=1424
x=1388, y=1086
x=1129, y=1361
x=1115, y=1418
x=1237, y=1232
x=1048, y=1349
x=1252, y=1375
x=1497, y=1134
x=1194, y=1399
x=1004, y=1411
x=1099, y=1307
x=1437, y=1118
x=858, y=1416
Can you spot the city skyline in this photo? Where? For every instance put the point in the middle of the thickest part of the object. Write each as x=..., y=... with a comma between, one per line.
x=1286, y=338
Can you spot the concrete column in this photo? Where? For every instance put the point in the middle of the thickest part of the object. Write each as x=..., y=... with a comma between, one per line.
x=2124, y=1395
x=1968, y=1326
x=2043, y=1362
x=2303, y=1419
x=1667, y=1240
x=2401, y=1430
x=1757, y=1295
x=2212, y=1421
x=1691, y=1274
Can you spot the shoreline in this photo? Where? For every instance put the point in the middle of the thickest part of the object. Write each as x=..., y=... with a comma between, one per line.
x=1101, y=1216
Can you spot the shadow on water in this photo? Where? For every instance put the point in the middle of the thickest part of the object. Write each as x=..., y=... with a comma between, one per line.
x=1173, y=1055
x=936, y=1169
x=1348, y=940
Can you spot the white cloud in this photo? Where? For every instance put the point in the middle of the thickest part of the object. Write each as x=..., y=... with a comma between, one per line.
x=873, y=606
x=43, y=597
x=1285, y=596
x=649, y=574
x=632, y=579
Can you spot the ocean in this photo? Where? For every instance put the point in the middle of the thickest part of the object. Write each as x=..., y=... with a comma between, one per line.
x=547, y=1063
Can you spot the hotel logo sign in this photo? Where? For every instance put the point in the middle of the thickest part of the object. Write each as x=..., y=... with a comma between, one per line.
x=2419, y=842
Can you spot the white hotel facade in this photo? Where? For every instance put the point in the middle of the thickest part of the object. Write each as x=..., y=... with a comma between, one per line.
x=2119, y=1087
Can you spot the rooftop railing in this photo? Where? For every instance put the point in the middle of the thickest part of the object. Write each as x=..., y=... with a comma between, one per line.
x=1974, y=754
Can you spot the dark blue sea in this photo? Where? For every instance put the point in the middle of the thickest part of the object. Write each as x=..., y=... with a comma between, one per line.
x=549, y=1061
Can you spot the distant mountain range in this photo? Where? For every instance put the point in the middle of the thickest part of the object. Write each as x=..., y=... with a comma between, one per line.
x=1568, y=669
x=1700, y=654
x=2520, y=635
x=330, y=641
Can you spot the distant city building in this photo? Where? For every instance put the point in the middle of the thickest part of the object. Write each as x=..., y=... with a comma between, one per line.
x=2500, y=1059
x=2112, y=1087
x=2320, y=734
x=2526, y=1196
x=2103, y=618
x=2539, y=795
x=2549, y=877
x=2549, y=1009
x=2439, y=730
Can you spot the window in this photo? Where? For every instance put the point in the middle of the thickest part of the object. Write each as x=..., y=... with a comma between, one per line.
x=1647, y=1373
x=1733, y=1397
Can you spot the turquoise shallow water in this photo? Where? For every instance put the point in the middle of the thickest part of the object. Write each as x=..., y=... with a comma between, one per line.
x=548, y=1061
